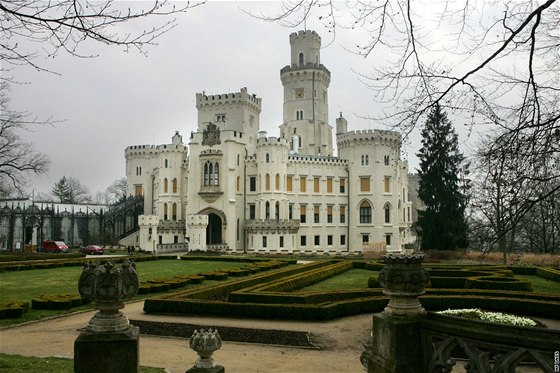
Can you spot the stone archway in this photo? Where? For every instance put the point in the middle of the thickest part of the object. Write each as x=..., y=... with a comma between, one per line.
x=214, y=229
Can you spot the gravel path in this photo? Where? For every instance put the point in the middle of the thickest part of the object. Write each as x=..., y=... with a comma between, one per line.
x=338, y=342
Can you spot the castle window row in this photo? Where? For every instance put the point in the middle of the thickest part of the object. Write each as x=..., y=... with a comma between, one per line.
x=322, y=216
x=289, y=184
x=166, y=215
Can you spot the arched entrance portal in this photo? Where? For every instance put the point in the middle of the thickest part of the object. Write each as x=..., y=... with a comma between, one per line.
x=214, y=230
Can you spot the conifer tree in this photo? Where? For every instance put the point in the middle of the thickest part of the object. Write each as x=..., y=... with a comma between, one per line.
x=442, y=224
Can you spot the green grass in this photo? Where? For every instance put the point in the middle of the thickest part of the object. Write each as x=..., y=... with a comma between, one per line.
x=25, y=364
x=26, y=285
x=540, y=285
x=350, y=280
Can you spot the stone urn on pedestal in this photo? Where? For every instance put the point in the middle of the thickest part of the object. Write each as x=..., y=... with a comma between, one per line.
x=396, y=344
x=109, y=343
x=404, y=279
x=205, y=343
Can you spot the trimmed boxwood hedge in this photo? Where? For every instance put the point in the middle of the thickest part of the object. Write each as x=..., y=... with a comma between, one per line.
x=498, y=283
x=57, y=302
x=13, y=310
x=549, y=274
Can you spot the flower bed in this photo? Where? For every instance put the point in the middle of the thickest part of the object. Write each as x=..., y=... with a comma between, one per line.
x=494, y=317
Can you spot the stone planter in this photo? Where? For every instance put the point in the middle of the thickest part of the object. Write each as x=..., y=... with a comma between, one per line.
x=404, y=279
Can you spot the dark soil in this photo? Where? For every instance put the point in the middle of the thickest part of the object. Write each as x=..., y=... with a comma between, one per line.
x=232, y=334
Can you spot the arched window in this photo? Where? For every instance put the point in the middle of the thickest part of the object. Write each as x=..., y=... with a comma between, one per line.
x=165, y=185
x=267, y=211
x=237, y=230
x=301, y=58
x=216, y=174
x=299, y=114
x=166, y=163
x=365, y=212
x=206, y=174
x=174, y=185
x=267, y=158
x=267, y=182
x=387, y=209
x=277, y=211
x=367, y=159
x=174, y=212
x=277, y=182
x=165, y=211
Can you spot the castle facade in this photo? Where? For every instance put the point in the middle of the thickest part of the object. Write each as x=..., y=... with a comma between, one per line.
x=235, y=189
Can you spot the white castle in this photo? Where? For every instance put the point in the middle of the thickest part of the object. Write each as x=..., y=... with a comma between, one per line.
x=236, y=190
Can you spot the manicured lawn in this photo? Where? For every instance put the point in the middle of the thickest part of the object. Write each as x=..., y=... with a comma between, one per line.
x=350, y=280
x=540, y=285
x=26, y=285
x=24, y=364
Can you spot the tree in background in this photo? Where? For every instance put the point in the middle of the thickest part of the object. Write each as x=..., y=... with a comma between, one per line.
x=18, y=159
x=70, y=190
x=494, y=62
x=441, y=225
x=65, y=24
x=115, y=193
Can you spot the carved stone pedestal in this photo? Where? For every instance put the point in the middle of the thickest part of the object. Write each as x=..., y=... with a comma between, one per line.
x=114, y=352
x=205, y=343
x=396, y=344
x=109, y=344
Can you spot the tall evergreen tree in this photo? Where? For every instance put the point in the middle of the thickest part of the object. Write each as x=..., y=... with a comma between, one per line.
x=442, y=225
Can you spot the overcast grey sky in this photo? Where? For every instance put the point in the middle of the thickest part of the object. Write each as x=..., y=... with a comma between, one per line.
x=120, y=99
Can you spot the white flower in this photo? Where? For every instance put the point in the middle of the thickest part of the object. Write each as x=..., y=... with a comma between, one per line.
x=495, y=317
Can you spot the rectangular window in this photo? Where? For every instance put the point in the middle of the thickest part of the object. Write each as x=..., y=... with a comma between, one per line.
x=290, y=211
x=281, y=241
x=329, y=240
x=138, y=190
x=364, y=184
x=342, y=185
x=365, y=238
x=175, y=239
x=289, y=183
x=329, y=214
x=237, y=183
x=252, y=183
x=387, y=184
x=315, y=185
x=343, y=214
x=252, y=211
x=317, y=240
x=316, y=213
x=302, y=213
x=302, y=181
x=264, y=241
x=388, y=239
x=342, y=239
x=303, y=241
x=329, y=184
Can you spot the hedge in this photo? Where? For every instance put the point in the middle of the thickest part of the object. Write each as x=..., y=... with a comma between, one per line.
x=13, y=310
x=57, y=302
x=498, y=283
x=548, y=274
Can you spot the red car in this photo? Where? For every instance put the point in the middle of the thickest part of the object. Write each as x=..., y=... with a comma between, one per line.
x=92, y=250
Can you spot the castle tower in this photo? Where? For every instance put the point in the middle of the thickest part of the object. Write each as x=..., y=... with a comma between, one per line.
x=306, y=84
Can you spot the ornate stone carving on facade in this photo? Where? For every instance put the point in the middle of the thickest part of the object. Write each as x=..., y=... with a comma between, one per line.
x=108, y=286
x=205, y=343
x=211, y=135
x=404, y=279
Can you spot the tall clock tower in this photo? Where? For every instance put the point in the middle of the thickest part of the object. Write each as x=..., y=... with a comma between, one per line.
x=306, y=84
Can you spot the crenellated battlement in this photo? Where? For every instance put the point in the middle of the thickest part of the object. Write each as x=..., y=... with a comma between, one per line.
x=202, y=99
x=296, y=158
x=272, y=140
x=307, y=34
x=366, y=137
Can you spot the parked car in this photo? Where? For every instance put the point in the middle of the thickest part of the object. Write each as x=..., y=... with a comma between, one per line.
x=52, y=246
x=92, y=250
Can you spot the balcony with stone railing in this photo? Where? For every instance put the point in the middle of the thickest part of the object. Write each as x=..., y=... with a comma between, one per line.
x=272, y=226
